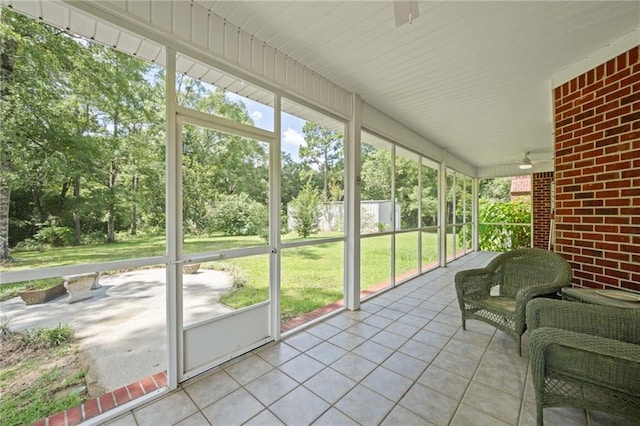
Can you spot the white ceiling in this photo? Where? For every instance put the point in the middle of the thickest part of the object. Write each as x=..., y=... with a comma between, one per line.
x=473, y=77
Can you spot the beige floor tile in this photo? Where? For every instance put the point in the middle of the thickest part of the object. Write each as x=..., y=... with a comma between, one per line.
x=269, y=388
x=456, y=364
x=444, y=382
x=248, y=369
x=429, y=404
x=374, y=352
x=377, y=406
x=233, y=409
x=402, y=416
x=324, y=330
x=126, y=420
x=211, y=388
x=442, y=328
x=353, y=366
x=387, y=383
x=299, y=407
x=301, y=368
x=467, y=416
x=504, y=406
x=326, y=352
x=414, y=320
x=402, y=328
x=388, y=339
x=405, y=365
x=278, y=354
x=363, y=330
x=334, y=417
x=431, y=338
x=347, y=341
x=197, y=419
x=170, y=409
x=330, y=385
x=419, y=350
x=264, y=418
x=303, y=341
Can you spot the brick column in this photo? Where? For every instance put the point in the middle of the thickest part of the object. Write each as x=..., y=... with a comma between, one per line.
x=542, y=214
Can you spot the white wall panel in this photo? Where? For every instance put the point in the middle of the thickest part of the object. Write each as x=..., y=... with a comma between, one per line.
x=291, y=73
x=182, y=19
x=129, y=43
x=29, y=7
x=299, y=70
x=161, y=12
x=269, y=70
x=78, y=23
x=218, y=339
x=231, y=43
x=148, y=50
x=281, y=69
x=257, y=56
x=200, y=27
x=244, y=51
x=56, y=13
x=216, y=35
x=140, y=8
x=106, y=34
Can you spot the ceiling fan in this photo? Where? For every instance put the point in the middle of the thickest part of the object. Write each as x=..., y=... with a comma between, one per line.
x=405, y=11
x=526, y=163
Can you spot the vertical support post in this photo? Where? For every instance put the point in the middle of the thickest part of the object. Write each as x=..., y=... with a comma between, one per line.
x=420, y=195
x=275, y=197
x=442, y=210
x=173, y=201
x=475, y=213
x=352, y=212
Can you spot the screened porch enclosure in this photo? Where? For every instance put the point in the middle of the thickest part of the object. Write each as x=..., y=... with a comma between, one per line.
x=250, y=191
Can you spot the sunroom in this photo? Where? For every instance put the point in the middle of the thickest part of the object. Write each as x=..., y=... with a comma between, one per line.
x=282, y=192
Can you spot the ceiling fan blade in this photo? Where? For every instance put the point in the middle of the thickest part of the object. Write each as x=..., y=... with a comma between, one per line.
x=405, y=11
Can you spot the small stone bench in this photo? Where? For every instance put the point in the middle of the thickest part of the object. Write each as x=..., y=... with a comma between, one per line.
x=79, y=286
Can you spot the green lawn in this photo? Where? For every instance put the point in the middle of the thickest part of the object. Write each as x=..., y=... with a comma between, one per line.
x=311, y=276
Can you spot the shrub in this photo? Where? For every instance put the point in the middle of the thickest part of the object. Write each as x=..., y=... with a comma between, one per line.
x=55, y=236
x=305, y=210
x=513, y=232
x=237, y=214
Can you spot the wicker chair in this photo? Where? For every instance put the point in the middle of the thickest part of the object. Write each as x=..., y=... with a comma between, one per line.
x=498, y=294
x=585, y=356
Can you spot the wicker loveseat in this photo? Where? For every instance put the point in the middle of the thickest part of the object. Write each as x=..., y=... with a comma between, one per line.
x=498, y=294
x=585, y=356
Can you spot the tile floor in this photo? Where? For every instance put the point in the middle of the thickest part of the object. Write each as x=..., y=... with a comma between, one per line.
x=403, y=359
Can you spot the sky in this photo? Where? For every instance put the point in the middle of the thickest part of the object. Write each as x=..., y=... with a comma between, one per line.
x=292, y=137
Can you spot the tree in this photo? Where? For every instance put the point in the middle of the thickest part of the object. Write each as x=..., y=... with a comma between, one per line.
x=323, y=149
x=376, y=175
x=305, y=210
x=36, y=121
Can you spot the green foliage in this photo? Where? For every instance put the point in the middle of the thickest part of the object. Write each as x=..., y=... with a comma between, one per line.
x=305, y=210
x=38, y=338
x=504, y=226
x=238, y=215
x=324, y=150
x=495, y=189
x=55, y=236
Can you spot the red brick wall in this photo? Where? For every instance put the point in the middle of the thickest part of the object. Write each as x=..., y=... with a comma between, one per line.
x=597, y=173
x=541, y=208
